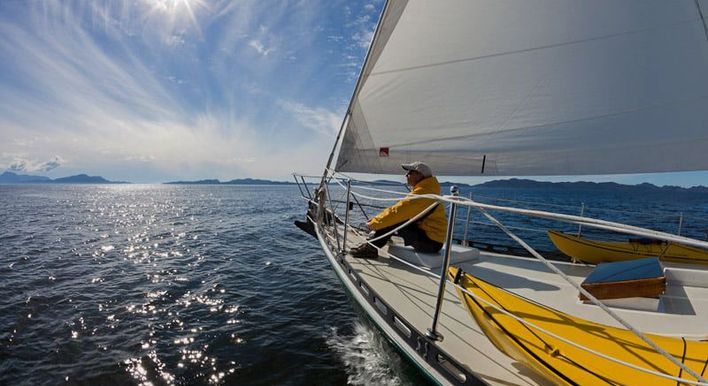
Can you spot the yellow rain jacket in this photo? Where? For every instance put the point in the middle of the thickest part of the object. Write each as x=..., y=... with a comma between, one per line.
x=434, y=225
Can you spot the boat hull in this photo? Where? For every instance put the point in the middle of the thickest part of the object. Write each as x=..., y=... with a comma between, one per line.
x=594, y=252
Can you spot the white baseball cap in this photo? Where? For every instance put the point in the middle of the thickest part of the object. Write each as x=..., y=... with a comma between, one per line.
x=419, y=167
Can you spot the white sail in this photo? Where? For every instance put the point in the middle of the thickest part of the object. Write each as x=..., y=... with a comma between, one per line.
x=533, y=87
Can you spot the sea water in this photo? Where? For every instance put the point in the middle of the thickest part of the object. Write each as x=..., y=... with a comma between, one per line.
x=173, y=284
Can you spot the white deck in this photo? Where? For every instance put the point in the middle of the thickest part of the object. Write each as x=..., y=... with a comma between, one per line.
x=682, y=311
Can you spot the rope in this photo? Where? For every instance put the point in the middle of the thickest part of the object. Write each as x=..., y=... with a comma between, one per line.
x=405, y=224
x=666, y=213
x=511, y=227
x=588, y=208
x=596, y=223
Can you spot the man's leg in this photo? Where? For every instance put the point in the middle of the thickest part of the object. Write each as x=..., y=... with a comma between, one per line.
x=381, y=242
x=411, y=234
x=416, y=237
x=366, y=251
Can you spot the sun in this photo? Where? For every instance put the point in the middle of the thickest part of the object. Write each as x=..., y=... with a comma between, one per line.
x=174, y=7
x=177, y=13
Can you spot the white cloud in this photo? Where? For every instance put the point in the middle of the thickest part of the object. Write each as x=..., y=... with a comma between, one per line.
x=363, y=38
x=318, y=119
x=259, y=47
x=25, y=165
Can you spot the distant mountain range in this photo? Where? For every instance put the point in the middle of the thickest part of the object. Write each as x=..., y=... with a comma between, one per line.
x=238, y=181
x=13, y=178
x=513, y=183
x=516, y=183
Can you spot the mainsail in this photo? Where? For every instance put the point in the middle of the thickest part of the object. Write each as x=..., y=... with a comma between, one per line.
x=533, y=87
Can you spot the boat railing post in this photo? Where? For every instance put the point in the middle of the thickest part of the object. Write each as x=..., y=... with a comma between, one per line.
x=331, y=218
x=432, y=332
x=306, y=188
x=346, y=216
x=680, y=224
x=582, y=213
x=465, y=242
x=299, y=187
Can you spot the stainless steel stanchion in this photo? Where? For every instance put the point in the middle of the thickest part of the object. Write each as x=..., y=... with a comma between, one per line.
x=346, y=217
x=432, y=332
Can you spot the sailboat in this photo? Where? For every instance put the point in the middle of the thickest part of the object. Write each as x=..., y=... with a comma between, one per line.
x=521, y=88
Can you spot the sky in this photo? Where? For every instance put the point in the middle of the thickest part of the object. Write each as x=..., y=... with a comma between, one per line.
x=163, y=90
x=156, y=90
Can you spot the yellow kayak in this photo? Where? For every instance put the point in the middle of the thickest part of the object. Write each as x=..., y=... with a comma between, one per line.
x=564, y=364
x=591, y=251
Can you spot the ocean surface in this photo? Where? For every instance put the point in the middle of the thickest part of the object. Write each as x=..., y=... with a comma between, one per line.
x=174, y=284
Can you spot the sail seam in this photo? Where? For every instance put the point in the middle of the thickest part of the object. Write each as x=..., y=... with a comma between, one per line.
x=510, y=130
x=703, y=19
x=532, y=49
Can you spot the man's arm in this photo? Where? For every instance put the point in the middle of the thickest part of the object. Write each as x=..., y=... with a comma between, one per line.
x=401, y=211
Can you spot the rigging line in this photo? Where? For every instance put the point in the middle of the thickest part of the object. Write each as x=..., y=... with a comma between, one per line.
x=683, y=358
x=532, y=49
x=543, y=330
x=518, y=341
x=703, y=19
x=576, y=345
x=348, y=177
x=525, y=347
x=588, y=221
x=667, y=215
x=510, y=227
x=405, y=224
x=345, y=176
x=593, y=299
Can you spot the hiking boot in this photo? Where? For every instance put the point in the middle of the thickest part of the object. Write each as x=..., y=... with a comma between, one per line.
x=364, y=251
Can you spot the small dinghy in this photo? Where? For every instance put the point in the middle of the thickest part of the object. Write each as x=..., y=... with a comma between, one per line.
x=526, y=338
x=593, y=251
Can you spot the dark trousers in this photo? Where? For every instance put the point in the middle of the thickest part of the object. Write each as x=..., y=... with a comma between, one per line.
x=412, y=235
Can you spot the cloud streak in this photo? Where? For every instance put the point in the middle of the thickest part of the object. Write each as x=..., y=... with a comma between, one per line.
x=23, y=165
x=318, y=119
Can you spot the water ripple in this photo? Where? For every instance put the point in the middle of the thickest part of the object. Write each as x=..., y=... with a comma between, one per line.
x=158, y=285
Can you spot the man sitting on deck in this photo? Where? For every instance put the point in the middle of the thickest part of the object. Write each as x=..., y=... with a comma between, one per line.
x=425, y=235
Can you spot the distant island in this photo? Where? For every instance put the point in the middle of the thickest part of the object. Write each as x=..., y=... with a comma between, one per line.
x=238, y=181
x=516, y=183
x=14, y=178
